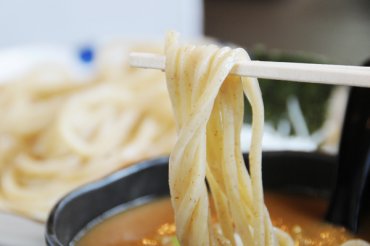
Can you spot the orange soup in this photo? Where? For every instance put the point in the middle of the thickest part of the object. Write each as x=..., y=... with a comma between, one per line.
x=153, y=224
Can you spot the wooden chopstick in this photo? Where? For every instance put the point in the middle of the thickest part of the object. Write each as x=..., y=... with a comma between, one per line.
x=300, y=72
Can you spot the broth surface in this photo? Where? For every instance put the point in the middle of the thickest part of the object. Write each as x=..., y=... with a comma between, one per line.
x=148, y=224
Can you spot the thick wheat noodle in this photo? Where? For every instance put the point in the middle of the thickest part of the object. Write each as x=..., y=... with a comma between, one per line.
x=208, y=108
x=208, y=105
x=57, y=133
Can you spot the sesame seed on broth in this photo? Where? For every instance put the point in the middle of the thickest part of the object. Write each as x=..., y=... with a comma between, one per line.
x=153, y=224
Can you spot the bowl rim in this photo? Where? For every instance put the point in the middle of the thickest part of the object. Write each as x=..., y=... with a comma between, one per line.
x=51, y=233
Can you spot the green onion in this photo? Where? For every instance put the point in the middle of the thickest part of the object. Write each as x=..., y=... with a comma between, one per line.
x=174, y=241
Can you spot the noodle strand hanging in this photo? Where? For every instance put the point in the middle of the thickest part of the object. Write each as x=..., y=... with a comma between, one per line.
x=208, y=105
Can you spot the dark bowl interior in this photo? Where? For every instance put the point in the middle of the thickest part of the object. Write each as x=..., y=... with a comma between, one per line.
x=297, y=172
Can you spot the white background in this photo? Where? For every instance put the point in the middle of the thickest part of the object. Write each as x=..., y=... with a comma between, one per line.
x=75, y=21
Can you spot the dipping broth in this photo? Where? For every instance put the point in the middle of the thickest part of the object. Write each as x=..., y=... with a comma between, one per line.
x=150, y=224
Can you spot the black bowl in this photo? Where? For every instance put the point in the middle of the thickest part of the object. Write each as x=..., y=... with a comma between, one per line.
x=297, y=172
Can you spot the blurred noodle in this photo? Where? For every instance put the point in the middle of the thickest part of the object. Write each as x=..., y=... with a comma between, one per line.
x=57, y=133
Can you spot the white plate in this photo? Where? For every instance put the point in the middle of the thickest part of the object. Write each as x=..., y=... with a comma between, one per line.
x=19, y=231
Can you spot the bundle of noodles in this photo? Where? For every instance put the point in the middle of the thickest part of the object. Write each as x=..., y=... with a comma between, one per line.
x=57, y=133
x=208, y=108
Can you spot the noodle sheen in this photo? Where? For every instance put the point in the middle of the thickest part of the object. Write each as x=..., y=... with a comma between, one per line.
x=208, y=105
x=208, y=108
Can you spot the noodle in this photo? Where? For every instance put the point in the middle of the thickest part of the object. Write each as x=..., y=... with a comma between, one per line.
x=208, y=107
x=57, y=133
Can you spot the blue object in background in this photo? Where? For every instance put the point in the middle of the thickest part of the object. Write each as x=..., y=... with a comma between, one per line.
x=87, y=54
